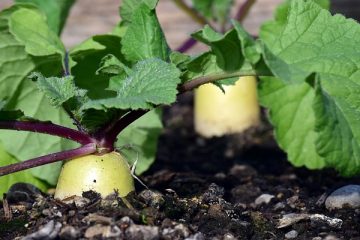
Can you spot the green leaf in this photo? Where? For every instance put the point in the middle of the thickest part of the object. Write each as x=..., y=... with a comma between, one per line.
x=249, y=48
x=15, y=65
x=111, y=65
x=58, y=90
x=144, y=38
x=30, y=28
x=85, y=61
x=337, y=111
x=2, y=104
x=118, y=71
x=128, y=8
x=217, y=10
x=151, y=82
x=8, y=115
x=139, y=140
x=226, y=48
x=56, y=11
x=293, y=119
x=309, y=40
x=24, y=176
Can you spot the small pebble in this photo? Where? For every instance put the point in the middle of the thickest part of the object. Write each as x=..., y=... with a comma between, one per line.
x=229, y=236
x=263, y=199
x=347, y=196
x=213, y=193
x=69, y=232
x=331, y=237
x=142, y=232
x=291, y=235
x=196, y=236
x=152, y=198
x=316, y=238
x=279, y=206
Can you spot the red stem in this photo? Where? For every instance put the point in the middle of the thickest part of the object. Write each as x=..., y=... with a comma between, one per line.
x=51, y=158
x=47, y=128
x=108, y=138
x=244, y=10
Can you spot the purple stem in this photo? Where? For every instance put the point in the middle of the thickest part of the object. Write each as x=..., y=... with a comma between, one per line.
x=186, y=45
x=110, y=135
x=244, y=10
x=51, y=158
x=48, y=128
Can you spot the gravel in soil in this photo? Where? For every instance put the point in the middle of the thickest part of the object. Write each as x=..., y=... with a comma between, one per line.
x=235, y=187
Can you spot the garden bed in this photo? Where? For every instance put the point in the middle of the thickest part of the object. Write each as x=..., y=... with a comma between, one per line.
x=198, y=189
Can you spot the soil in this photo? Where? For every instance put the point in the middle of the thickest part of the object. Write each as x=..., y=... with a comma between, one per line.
x=198, y=189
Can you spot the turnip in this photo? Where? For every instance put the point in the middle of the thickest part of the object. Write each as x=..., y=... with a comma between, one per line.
x=100, y=173
x=236, y=109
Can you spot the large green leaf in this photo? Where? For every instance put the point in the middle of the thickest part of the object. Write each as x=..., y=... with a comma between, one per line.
x=24, y=176
x=308, y=39
x=144, y=38
x=56, y=11
x=30, y=28
x=18, y=58
x=293, y=119
x=151, y=82
x=128, y=8
x=139, y=140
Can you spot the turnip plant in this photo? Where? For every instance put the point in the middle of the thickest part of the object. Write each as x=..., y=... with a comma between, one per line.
x=242, y=109
x=104, y=94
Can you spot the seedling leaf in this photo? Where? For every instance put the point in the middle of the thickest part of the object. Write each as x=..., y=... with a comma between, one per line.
x=144, y=37
x=58, y=90
x=151, y=82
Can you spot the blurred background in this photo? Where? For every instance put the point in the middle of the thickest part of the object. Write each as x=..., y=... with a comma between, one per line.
x=89, y=17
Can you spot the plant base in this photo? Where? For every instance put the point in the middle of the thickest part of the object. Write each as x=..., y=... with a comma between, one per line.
x=100, y=173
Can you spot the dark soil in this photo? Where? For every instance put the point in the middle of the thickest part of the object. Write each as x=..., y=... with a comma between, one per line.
x=199, y=189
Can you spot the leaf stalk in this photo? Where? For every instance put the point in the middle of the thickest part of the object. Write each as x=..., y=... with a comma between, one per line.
x=51, y=158
x=48, y=128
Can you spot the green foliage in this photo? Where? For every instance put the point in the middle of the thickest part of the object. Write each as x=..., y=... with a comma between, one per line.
x=58, y=90
x=56, y=11
x=144, y=37
x=150, y=82
x=226, y=48
x=19, y=56
x=128, y=8
x=310, y=40
x=8, y=115
x=29, y=27
x=217, y=10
